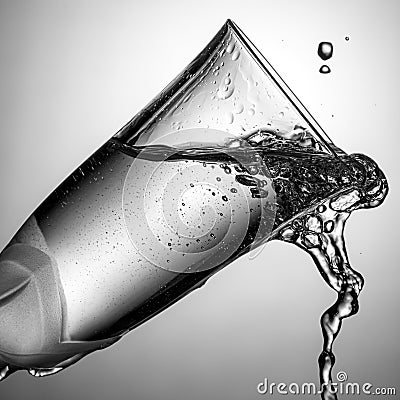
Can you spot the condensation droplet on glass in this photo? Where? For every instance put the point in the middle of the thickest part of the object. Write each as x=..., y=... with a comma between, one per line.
x=325, y=69
x=225, y=91
x=228, y=118
x=235, y=55
x=230, y=48
x=325, y=50
x=281, y=114
x=238, y=108
x=347, y=38
x=251, y=111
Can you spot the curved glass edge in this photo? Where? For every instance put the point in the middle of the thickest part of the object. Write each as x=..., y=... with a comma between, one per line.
x=277, y=79
x=131, y=131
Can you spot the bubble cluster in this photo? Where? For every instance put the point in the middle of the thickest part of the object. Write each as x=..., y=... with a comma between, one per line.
x=178, y=201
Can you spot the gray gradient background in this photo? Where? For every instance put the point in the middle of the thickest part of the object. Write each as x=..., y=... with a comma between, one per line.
x=73, y=72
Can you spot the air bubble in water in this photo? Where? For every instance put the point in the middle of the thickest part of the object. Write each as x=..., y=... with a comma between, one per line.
x=329, y=226
x=325, y=50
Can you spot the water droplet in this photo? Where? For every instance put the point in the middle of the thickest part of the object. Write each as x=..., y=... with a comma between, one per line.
x=228, y=117
x=262, y=183
x=314, y=224
x=246, y=180
x=230, y=48
x=289, y=235
x=325, y=69
x=311, y=240
x=227, y=81
x=325, y=50
x=40, y=372
x=252, y=169
x=258, y=193
x=347, y=38
x=225, y=90
x=281, y=114
x=224, y=198
x=235, y=55
x=328, y=226
x=238, y=108
x=234, y=143
x=233, y=190
x=251, y=111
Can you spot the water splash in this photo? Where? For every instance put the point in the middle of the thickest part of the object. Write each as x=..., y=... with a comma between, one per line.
x=320, y=232
x=94, y=285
